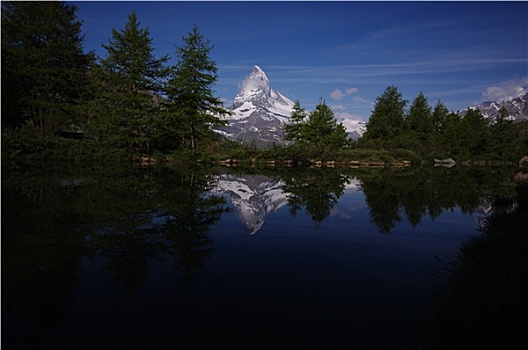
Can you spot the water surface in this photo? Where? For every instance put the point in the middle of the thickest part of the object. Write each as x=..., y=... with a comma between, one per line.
x=123, y=256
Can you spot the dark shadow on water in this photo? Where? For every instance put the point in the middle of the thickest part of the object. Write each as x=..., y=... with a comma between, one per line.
x=125, y=219
x=484, y=303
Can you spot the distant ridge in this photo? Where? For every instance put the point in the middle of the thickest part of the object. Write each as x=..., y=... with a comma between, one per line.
x=517, y=109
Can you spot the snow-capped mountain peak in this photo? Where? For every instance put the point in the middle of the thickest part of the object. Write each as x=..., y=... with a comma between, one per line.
x=257, y=79
x=259, y=111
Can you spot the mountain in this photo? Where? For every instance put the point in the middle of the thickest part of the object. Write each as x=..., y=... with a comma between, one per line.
x=259, y=112
x=254, y=197
x=517, y=108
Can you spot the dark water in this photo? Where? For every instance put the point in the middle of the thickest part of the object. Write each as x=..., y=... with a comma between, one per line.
x=120, y=257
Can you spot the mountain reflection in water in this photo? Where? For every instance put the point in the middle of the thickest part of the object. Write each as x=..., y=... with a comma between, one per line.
x=110, y=257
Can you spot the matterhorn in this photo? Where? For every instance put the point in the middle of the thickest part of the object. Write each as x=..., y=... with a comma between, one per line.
x=259, y=112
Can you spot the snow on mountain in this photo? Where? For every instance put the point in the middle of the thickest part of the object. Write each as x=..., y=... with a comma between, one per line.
x=254, y=197
x=517, y=108
x=259, y=112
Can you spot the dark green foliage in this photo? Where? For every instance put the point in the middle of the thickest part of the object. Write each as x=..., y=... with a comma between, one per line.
x=474, y=129
x=193, y=108
x=503, y=132
x=418, y=125
x=292, y=131
x=387, y=119
x=125, y=108
x=440, y=133
x=319, y=133
x=43, y=64
x=419, y=120
x=116, y=102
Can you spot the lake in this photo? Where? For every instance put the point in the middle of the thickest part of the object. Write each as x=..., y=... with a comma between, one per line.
x=122, y=256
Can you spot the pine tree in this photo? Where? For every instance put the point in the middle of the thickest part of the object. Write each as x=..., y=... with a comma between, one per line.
x=129, y=78
x=439, y=115
x=474, y=129
x=387, y=119
x=322, y=129
x=43, y=64
x=292, y=130
x=193, y=110
x=438, y=120
x=451, y=139
x=503, y=140
x=419, y=119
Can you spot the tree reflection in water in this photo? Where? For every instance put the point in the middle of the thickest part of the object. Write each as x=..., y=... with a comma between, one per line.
x=483, y=304
x=318, y=190
x=127, y=217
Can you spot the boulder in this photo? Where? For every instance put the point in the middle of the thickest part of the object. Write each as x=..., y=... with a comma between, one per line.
x=445, y=161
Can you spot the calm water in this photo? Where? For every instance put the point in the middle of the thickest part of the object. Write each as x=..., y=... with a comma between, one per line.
x=170, y=257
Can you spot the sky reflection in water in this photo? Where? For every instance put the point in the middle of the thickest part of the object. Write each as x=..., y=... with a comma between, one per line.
x=304, y=278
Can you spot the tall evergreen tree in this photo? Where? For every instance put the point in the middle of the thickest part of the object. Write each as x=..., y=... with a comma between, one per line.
x=451, y=139
x=129, y=78
x=474, y=129
x=439, y=115
x=322, y=129
x=292, y=131
x=43, y=64
x=438, y=121
x=193, y=110
x=419, y=119
x=503, y=140
x=387, y=119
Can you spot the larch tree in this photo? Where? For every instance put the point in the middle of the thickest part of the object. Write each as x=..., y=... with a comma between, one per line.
x=43, y=64
x=130, y=79
x=292, y=130
x=193, y=110
x=387, y=119
x=322, y=129
x=419, y=119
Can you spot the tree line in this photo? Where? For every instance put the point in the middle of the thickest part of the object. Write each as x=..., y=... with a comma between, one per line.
x=437, y=131
x=129, y=99
x=131, y=102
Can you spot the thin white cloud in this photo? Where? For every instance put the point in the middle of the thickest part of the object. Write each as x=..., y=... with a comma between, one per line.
x=506, y=90
x=338, y=94
x=358, y=99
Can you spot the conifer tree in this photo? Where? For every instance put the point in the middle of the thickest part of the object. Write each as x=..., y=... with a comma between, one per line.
x=419, y=119
x=129, y=78
x=292, y=131
x=503, y=141
x=438, y=121
x=387, y=118
x=474, y=130
x=193, y=109
x=43, y=64
x=322, y=129
x=439, y=115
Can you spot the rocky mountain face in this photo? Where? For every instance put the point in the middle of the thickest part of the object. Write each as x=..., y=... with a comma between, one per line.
x=517, y=109
x=254, y=197
x=260, y=112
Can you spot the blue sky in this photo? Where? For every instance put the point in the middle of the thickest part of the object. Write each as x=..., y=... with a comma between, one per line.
x=347, y=53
